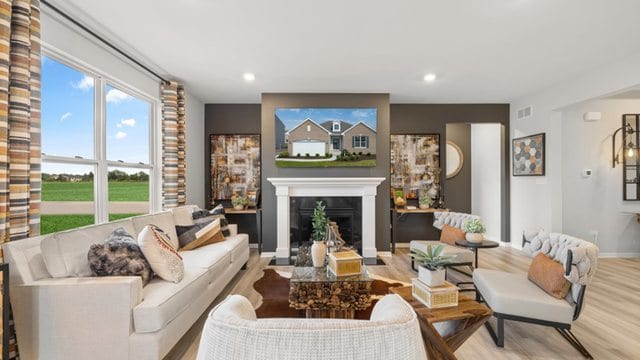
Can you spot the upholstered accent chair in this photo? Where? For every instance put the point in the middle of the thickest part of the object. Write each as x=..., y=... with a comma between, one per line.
x=462, y=256
x=232, y=332
x=514, y=297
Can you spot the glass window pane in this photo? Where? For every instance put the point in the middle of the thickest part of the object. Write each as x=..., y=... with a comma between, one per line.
x=128, y=192
x=67, y=110
x=127, y=127
x=67, y=197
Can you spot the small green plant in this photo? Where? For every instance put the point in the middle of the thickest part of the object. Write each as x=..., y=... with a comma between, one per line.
x=425, y=200
x=298, y=155
x=360, y=153
x=317, y=155
x=239, y=201
x=319, y=222
x=307, y=155
x=327, y=155
x=339, y=157
x=474, y=226
x=432, y=259
x=368, y=154
x=283, y=154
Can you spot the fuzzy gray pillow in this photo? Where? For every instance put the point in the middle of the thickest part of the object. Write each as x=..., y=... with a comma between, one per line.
x=119, y=255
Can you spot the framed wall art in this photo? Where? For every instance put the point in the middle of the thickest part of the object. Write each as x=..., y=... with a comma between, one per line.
x=235, y=166
x=415, y=163
x=529, y=155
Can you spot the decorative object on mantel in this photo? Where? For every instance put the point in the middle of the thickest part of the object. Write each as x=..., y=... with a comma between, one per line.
x=319, y=223
x=415, y=163
x=455, y=159
x=529, y=155
x=630, y=163
x=432, y=262
x=235, y=165
x=474, y=230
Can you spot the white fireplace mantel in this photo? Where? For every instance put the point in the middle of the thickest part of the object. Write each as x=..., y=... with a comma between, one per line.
x=364, y=187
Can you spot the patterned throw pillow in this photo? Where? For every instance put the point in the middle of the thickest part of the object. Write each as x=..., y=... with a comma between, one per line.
x=191, y=237
x=119, y=255
x=218, y=213
x=163, y=258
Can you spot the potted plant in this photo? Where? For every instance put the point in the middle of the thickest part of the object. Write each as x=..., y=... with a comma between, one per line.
x=425, y=202
x=239, y=202
x=474, y=230
x=431, y=270
x=319, y=222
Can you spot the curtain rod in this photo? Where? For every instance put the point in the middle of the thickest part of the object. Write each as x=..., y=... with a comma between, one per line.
x=103, y=40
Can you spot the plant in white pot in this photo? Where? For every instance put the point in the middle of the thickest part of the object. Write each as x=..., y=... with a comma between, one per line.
x=474, y=230
x=319, y=222
x=239, y=202
x=431, y=270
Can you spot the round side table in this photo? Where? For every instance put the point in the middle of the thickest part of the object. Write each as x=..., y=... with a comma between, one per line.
x=485, y=244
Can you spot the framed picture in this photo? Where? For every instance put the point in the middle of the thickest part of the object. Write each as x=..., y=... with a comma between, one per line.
x=415, y=163
x=235, y=165
x=528, y=155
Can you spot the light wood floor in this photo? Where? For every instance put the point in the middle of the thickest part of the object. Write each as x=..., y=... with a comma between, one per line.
x=609, y=325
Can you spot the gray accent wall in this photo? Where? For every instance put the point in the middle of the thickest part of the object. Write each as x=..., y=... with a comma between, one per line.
x=271, y=101
x=457, y=190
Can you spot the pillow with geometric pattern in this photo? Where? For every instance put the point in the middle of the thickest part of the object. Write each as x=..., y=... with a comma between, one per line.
x=163, y=258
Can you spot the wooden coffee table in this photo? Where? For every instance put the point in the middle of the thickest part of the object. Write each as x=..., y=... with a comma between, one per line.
x=324, y=295
x=458, y=323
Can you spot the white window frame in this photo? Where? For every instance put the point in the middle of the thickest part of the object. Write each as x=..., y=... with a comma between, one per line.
x=362, y=139
x=336, y=126
x=99, y=161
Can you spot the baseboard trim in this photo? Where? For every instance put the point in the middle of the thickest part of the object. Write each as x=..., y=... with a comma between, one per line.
x=619, y=255
x=384, y=253
x=268, y=254
x=402, y=245
x=253, y=246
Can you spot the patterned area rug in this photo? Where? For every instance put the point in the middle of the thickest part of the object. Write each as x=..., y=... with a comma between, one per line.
x=274, y=288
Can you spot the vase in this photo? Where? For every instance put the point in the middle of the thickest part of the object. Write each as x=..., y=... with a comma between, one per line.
x=318, y=253
x=474, y=238
x=424, y=206
x=431, y=277
x=238, y=207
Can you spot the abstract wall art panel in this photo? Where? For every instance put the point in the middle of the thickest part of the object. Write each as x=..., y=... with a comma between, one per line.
x=529, y=155
x=235, y=165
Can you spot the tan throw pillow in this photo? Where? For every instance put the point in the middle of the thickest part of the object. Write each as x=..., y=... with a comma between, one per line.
x=201, y=235
x=163, y=258
x=450, y=235
x=548, y=274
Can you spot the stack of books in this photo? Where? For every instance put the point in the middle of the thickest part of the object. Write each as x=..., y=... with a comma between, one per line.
x=445, y=295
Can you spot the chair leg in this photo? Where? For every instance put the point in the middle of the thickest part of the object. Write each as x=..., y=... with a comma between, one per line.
x=498, y=337
x=413, y=265
x=573, y=340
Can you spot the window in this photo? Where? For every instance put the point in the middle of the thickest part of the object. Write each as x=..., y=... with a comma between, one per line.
x=308, y=128
x=360, y=142
x=97, y=144
x=336, y=126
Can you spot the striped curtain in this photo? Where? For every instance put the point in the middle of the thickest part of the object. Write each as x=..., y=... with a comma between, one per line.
x=173, y=145
x=20, y=182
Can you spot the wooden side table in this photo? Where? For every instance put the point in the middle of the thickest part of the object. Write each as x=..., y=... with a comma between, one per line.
x=463, y=319
x=324, y=295
x=485, y=244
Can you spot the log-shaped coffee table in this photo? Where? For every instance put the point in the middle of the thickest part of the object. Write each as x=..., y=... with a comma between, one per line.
x=324, y=295
x=444, y=330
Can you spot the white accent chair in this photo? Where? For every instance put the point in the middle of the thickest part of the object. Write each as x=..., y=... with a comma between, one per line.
x=514, y=297
x=233, y=332
x=462, y=256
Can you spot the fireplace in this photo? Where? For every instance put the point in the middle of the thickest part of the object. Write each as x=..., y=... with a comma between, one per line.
x=364, y=188
x=345, y=211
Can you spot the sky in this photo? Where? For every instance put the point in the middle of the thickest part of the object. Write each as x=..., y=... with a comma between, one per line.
x=67, y=119
x=293, y=116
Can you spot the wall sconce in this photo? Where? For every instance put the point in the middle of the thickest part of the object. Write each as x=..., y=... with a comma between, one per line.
x=631, y=149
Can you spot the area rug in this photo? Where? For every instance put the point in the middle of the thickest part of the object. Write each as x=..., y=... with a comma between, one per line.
x=274, y=288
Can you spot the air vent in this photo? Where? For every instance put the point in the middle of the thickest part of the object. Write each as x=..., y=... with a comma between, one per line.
x=525, y=112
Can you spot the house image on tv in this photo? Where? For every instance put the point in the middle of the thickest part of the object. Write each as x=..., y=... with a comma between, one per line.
x=309, y=137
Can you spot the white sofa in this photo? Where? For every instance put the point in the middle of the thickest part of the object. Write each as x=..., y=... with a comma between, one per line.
x=61, y=312
x=233, y=332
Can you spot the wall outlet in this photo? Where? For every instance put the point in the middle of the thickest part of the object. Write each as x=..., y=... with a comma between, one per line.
x=594, y=236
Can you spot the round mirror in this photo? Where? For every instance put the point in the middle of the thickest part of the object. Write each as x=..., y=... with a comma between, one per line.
x=454, y=159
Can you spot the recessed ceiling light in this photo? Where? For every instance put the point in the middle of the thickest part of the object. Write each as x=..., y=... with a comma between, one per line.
x=249, y=76
x=430, y=77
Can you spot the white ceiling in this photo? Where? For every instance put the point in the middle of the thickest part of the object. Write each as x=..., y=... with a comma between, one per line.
x=482, y=51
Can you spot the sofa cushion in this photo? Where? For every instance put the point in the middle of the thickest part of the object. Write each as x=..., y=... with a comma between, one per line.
x=164, y=301
x=461, y=255
x=450, y=235
x=549, y=276
x=514, y=294
x=163, y=258
x=65, y=253
x=163, y=220
x=206, y=257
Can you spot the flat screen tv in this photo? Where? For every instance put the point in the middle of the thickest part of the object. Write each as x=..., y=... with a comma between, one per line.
x=325, y=137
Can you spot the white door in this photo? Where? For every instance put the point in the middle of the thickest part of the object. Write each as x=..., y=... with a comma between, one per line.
x=308, y=147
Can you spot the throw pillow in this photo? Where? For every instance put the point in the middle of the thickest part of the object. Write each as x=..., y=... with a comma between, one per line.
x=182, y=215
x=218, y=213
x=200, y=235
x=119, y=255
x=548, y=274
x=163, y=258
x=451, y=234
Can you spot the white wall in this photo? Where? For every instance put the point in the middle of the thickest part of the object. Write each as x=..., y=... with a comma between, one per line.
x=57, y=33
x=485, y=176
x=595, y=203
x=536, y=202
